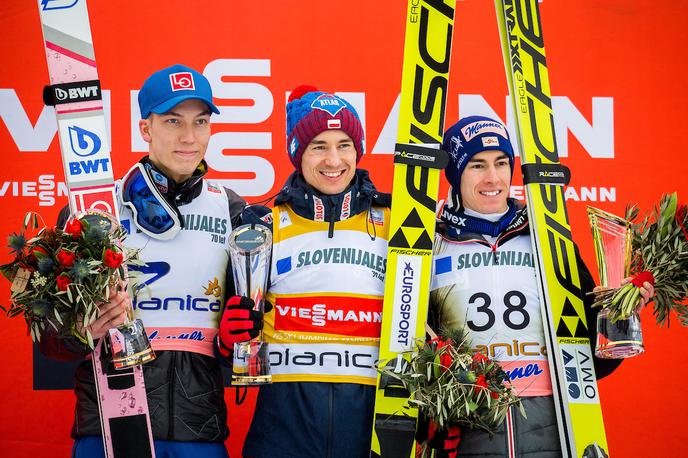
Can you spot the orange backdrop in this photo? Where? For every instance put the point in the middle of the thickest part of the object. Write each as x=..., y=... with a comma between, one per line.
x=617, y=71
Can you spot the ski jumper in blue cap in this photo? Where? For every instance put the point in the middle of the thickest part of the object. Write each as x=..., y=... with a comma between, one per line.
x=180, y=222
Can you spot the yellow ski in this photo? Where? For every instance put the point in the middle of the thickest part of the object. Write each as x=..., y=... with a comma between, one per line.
x=417, y=165
x=581, y=427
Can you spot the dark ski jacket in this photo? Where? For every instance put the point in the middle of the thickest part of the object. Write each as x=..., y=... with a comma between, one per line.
x=537, y=435
x=185, y=389
x=316, y=419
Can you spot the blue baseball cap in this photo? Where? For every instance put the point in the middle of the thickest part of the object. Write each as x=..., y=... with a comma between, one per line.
x=167, y=88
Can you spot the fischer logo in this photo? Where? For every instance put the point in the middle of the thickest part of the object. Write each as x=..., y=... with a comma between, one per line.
x=182, y=81
x=406, y=289
x=346, y=206
x=318, y=209
x=483, y=127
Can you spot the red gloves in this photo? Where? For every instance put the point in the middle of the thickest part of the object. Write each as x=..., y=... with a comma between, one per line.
x=239, y=323
x=445, y=442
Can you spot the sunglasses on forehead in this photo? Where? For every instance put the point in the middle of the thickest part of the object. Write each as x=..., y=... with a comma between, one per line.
x=153, y=215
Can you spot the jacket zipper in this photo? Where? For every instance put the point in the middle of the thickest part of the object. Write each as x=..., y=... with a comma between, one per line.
x=170, y=398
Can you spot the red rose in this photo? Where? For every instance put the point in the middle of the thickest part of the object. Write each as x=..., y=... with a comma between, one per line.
x=479, y=357
x=74, y=227
x=36, y=253
x=480, y=383
x=63, y=282
x=66, y=258
x=446, y=360
x=113, y=259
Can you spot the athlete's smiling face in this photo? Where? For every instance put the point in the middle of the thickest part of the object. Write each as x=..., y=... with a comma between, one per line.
x=178, y=139
x=485, y=182
x=329, y=162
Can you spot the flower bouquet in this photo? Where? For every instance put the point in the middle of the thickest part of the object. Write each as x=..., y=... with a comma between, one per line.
x=60, y=276
x=453, y=386
x=658, y=255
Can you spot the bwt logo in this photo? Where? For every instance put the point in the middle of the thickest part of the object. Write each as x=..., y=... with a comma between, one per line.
x=57, y=4
x=76, y=93
x=182, y=81
x=83, y=142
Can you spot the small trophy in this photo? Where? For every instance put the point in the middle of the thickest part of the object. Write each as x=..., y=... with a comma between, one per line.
x=128, y=343
x=612, y=239
x=250, y=247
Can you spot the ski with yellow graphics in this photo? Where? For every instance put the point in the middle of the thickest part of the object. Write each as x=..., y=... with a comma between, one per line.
x=418, y=161
x=576, y=397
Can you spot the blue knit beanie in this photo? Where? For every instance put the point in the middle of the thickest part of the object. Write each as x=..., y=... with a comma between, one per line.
x=470, y=136
x=310, y=112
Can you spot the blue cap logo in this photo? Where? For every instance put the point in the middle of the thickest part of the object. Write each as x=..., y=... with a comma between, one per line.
x=167, y=88
x=182, y=81
x=329, y=103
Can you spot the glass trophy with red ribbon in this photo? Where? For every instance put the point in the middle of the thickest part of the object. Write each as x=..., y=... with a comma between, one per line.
x=617, y=337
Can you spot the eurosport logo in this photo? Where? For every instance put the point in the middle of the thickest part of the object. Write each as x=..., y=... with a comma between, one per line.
x=406, y=289
x=182, y=81
x=48, y=5
x=83, y=142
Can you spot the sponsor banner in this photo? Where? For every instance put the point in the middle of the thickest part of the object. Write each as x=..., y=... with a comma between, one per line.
x=196, y=340
x=323, y=359
x=85, y=151
x=347, y=316
x=579, y=373
x=406, y=289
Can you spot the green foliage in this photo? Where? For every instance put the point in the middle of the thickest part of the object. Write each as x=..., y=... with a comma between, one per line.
x=58, y=293
x=451, y=385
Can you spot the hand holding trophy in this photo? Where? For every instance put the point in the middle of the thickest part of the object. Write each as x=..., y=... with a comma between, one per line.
x=653, y=251
x=250, y=247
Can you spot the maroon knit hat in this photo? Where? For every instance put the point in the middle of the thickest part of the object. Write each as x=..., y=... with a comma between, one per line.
x=310, y=112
